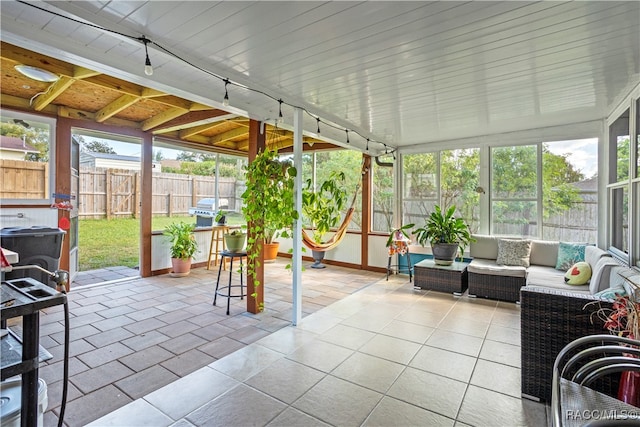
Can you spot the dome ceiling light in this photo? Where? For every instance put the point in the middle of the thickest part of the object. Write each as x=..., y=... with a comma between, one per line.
x=36, y=73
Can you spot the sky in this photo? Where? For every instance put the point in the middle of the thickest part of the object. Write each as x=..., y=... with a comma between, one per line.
x=583, y=154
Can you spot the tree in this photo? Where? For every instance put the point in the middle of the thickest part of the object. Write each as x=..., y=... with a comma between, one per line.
x=36, y=136
x=97, y=147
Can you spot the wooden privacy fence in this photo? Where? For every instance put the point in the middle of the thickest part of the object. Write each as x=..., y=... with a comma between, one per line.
x=115, y=193
x=24, y=180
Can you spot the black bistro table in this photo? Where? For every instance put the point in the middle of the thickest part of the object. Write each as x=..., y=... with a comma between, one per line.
x=220, y=292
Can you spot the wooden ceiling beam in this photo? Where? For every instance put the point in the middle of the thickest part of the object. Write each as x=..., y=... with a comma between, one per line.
x=23, y=104
x=23, y=56
x=185, y=133
x=115, y=107
x=193, y=118
x=230, y=134
x=163, y=117
x=73, y=113
x=83, y=73
x=54, y=90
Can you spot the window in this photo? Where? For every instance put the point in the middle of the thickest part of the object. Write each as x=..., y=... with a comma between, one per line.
x=348, y=161
x=460, y=175
x=26, y=157
x=570, y=190
x=514, y=190
x=420, y=186
x=619, y=165
x=382, y=194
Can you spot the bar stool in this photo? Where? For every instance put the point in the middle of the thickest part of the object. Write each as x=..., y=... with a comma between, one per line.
x=217, y=237
x=231, y=255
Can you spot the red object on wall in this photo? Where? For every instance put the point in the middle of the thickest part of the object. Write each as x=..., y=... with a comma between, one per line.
x=629, y=389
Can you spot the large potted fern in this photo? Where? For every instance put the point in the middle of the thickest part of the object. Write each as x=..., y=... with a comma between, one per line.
x=446, y=234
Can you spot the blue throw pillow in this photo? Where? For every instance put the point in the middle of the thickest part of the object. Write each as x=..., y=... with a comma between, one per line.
x=569, y=254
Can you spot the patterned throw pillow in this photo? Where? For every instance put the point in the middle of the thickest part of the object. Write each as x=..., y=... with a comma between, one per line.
x=514, y=252
x=578, y=274
x=569, y=254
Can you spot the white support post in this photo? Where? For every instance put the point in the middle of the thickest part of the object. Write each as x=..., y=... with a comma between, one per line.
x=296, y=261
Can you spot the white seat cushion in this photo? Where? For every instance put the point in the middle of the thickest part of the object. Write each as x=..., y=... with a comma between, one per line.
x=488, y=266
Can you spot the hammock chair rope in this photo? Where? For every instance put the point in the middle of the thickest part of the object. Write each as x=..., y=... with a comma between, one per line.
x=342, y=230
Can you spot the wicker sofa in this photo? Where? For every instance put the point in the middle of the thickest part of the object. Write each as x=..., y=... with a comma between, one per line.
x=488, y=279
x=549, y=320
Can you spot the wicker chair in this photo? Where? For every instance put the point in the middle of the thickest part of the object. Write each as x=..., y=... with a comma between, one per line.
x=550, y=319
x=578, y=366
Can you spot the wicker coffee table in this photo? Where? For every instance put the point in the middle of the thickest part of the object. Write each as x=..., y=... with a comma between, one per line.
x=444, y=278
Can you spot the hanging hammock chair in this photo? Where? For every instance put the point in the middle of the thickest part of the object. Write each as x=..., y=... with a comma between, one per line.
x=342, y=230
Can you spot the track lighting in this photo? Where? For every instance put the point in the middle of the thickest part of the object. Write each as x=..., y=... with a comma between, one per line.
x=225, y=101
x=347, y=131
x=148, y=69
x=367, y=147
x=280, y=118
x=318, y=119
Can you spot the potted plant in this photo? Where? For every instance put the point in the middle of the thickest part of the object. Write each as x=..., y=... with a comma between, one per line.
x=183, y=246
x=322, y=209
x=221, y=217
x=234, y=240
x=446, y=234
x=268, y=202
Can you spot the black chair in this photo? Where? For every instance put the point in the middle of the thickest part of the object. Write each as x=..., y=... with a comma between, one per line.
x=578, y=368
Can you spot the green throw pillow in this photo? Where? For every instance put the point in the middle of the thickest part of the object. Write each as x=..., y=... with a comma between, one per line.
x=569, y=254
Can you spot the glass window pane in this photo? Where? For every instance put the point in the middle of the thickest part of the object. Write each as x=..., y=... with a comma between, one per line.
x=514, y=172
x=24, y=158
x=349, y=162
x=459, y=178
x=620, y=216
x=382, y=195
x=570, y=190
x=622, y=151
x=514, y=218
x=419, y=177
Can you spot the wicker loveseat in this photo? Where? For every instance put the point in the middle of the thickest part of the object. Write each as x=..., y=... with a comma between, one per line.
x=488, y=279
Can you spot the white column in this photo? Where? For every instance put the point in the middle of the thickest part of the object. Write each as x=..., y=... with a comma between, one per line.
x=296, y=261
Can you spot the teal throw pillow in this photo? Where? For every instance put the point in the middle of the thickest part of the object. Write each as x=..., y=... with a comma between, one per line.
x=611, y=293
x=569, y=254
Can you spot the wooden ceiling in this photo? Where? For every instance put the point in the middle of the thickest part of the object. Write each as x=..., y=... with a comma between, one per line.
x=85, y=94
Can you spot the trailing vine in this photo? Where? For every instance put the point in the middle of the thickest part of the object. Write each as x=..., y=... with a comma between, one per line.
x=268, y=204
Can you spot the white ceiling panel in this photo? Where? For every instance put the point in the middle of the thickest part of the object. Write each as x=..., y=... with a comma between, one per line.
x=402, y=73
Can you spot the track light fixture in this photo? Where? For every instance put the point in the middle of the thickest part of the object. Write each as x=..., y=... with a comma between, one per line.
x=280, y=117
x=367, y=147
x=148, y=69
x=347, y=131
x=318, y=131
x=225, y=101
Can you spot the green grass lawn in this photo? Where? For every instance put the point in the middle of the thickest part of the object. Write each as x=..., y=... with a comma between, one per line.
x=116, y=242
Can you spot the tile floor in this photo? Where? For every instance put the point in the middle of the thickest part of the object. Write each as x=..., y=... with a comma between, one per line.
x=387, y=355
x=368, y=352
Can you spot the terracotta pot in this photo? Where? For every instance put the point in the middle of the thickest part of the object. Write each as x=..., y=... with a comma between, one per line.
x=181, y=266
x=271, y=251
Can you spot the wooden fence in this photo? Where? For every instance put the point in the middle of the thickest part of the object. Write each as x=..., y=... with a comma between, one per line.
x=24, y=180
x=114, y=193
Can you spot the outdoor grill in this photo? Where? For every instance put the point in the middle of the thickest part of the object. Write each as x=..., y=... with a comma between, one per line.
x=205, y=210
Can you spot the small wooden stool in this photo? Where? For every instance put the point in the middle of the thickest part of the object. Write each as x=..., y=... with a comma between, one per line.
x=217, y=236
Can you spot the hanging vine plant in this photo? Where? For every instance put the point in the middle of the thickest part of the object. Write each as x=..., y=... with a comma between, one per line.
x=268, y=204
